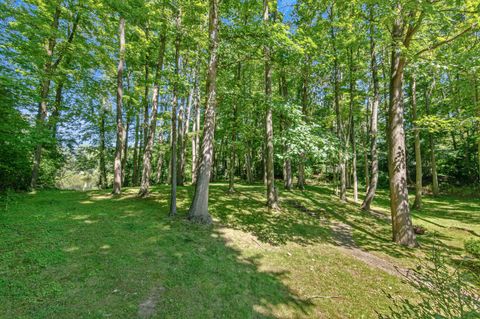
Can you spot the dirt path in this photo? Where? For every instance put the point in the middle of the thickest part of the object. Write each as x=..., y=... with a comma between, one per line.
x=148, y=308
x=343, y=238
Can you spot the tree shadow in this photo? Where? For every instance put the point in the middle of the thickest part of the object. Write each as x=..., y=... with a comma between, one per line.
x=106, y=256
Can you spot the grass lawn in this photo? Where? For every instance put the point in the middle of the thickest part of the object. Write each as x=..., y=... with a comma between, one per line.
x=66, y=254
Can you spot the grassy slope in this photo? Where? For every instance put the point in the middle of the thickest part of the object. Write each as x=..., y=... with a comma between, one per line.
x=86, y=255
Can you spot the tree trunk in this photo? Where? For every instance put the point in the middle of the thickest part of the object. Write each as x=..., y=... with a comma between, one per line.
x=196, y=127
x=44, y=90
x=372, y=187
x=117, y=180
x=272, y=200
x=352, y=129
x=136, y=152
x=397, y=165
x=417, y=204
x=102, y=182
x=433, y=161
x=199, y=209
x=339, y=127
x=147, y=154
x=173, y=155
x=125, y=149
x=180, y=142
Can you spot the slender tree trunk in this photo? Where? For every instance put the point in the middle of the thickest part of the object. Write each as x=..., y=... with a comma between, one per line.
x=147, y=154
x=352, y=129
x=44, y=90
x=136, y=152
x=117, y=180
x=196, y=128
x=339, y=126
x=180, y=142
x=102, y=182
x=372, y=187
x=433, y=161
x=272, y=200
x=301, y=164
x=125, y=150
x=417, y=204
x=199, y=209
x=56, y=111
x=248, y=166
x=173, y=153
x=477, y=107
x=233, y=150
x=401, y=221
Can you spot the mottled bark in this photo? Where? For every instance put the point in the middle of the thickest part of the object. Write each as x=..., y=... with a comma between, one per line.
x=199, y=209
x=147, y=154
x=272, y=200
x=402, y=228
x=433, y=160
x=102, y=182
x=372, y=187
x=136, y=152
x=417, y=204
x=117, y=174
x=196, y=128
x=173, y=152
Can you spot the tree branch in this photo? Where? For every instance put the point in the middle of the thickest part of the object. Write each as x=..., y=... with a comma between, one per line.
x=438, y=44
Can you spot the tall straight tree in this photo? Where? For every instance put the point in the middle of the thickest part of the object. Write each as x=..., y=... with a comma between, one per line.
x=117, y=173
x=417, y=204
x=199, y=209
x=147, y=154
x=272, y=200
x=397, y=162
x=372, y=187
x=50, y=44
x=173, y=153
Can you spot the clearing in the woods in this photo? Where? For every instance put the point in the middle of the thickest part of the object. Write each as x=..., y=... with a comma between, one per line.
x=67, y=254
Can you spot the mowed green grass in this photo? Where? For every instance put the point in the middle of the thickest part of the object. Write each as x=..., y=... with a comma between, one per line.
x=66, y=254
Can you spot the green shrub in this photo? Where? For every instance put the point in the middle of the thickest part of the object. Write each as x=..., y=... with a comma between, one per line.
x=443, y=293
x=472, y=246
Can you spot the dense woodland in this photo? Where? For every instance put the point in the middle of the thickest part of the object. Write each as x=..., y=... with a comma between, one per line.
x=135, y=93
x=328, y=145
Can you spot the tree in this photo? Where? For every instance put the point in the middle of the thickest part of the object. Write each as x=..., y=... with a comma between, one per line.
x=199, y=208
x=117, y=179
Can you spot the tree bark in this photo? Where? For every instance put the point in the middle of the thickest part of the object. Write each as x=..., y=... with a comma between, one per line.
x=102, y=182
x=352, y=129
x=173, y=155
x=199, y=209
x=117, y=180
x=181, y=144
x=372, y=187
x=339, y=126
x=147, y=154
x=136, y=152
x=272, y=200
x=401, y=221
x=417, y=204
x=433, y=161
x=196, y=127
x=44, y=90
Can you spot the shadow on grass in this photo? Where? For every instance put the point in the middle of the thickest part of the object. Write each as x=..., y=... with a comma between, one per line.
x=75, y=255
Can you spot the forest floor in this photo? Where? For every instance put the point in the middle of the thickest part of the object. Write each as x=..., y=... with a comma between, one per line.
x=67, y=254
